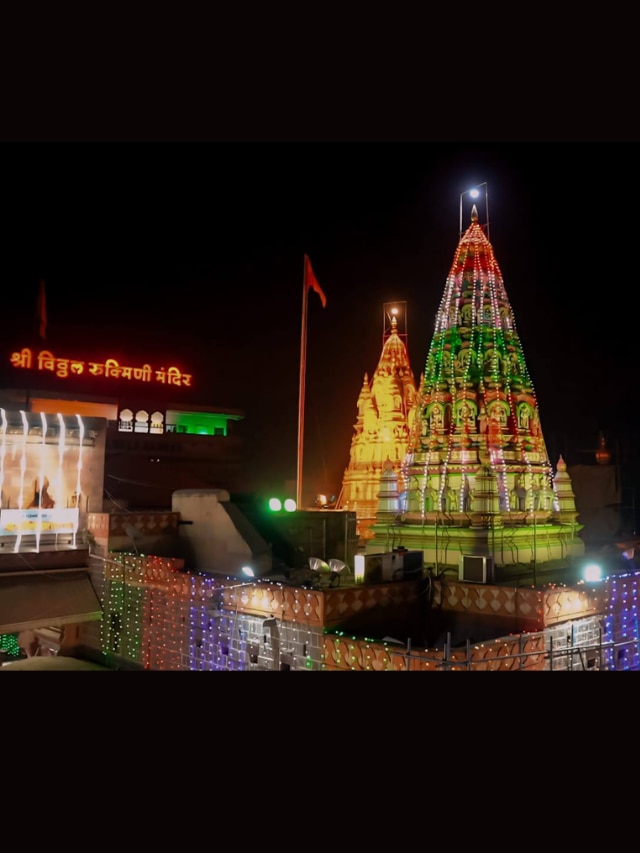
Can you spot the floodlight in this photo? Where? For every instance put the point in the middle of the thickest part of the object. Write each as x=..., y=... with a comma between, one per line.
x=317, y=564
x=475, y=193
x=248, y=572
x=325, y=576
x=592, y=572
x=337, y=567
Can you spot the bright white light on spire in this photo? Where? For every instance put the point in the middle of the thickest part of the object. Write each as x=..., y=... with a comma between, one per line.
x=474, y=193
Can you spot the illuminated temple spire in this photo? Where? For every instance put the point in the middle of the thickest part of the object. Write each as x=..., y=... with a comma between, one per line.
x=386, y=406
x=476, y=459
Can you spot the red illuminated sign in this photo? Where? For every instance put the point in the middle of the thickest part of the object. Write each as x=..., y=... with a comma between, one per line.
x=110, y=369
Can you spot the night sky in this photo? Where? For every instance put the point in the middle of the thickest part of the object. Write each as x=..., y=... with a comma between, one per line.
x=194, y=252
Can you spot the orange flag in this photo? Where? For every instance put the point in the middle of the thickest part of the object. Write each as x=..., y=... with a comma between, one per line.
x=41, y=310
x=312, y=282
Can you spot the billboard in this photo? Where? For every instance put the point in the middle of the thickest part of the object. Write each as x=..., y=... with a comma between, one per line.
x=51, y=476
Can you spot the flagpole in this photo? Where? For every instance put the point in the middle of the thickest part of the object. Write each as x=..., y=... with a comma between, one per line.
x=301, y=391
x=40, y=332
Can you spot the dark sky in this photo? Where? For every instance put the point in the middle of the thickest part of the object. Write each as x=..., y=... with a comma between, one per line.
x=195, y=251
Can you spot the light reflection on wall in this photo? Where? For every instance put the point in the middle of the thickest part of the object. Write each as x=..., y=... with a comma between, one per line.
x=41, y=478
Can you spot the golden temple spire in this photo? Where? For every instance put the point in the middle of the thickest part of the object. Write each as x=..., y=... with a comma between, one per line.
x=474, y=214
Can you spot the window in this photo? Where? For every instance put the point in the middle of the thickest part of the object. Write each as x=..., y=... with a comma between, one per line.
x=142, y=421
x=125, y=423
x=157, y=423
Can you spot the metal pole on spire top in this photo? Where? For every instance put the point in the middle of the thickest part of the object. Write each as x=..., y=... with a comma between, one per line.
x=394, y=320
x=478, y=193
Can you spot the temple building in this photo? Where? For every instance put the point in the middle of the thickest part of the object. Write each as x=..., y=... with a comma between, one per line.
x=476, y=483
x=160, y=435
x=386, y=406
x=79, y=438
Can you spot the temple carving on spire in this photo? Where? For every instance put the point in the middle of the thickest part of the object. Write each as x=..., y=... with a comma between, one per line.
x=385, y=410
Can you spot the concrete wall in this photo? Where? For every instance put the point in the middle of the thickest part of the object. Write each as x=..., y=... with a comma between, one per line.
x=212, y=539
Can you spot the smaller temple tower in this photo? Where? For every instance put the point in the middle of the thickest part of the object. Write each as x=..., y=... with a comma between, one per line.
x=386, y=407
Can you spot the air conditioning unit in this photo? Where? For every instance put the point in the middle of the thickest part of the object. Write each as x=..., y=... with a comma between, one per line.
x=475, y=569
x=412, y=564
x=389, y=566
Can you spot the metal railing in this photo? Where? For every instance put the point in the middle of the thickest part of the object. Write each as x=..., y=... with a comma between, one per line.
x=582, y=657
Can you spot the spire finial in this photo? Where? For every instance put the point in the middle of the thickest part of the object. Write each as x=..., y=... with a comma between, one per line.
x=474, y=214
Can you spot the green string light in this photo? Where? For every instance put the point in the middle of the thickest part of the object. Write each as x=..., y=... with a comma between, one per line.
x=9, y=644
